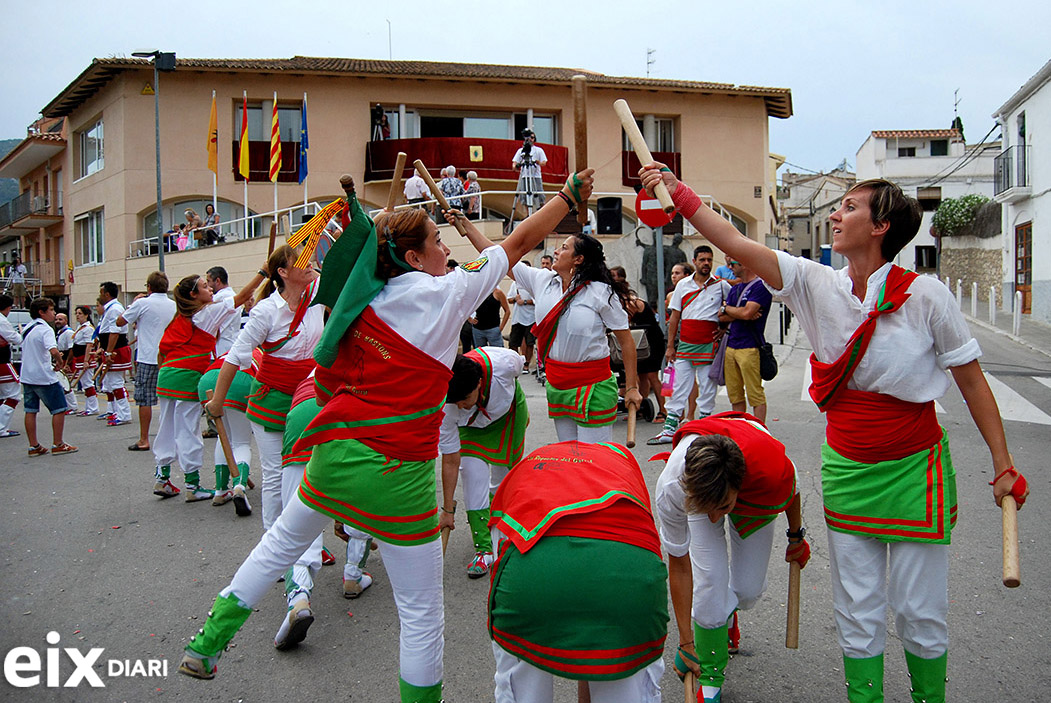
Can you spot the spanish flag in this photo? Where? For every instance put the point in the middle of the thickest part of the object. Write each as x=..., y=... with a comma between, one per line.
x=213, y=140
x=275, y=145
x=242, y=154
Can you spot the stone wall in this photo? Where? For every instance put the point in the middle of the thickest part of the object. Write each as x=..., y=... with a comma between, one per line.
x=972, y=264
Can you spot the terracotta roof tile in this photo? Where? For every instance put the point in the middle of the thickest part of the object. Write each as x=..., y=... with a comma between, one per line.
x=778, y=100
x=917, y=134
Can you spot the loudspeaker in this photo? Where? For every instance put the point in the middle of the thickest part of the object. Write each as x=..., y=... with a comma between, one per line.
x=608, y=214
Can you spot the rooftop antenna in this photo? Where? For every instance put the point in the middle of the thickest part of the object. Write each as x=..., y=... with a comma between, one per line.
x=650, y=60
x=955, y=104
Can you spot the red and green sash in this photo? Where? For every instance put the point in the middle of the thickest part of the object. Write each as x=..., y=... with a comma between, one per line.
x=769, y=481
x=584, y=391
x=240, y=386
x=830, y=379
x=297, y=320
x=303, y=411
x=271, y=395
x=384, y=392
x=546, y=329
x=185, y=351
x=568, y=509
x=501, y=442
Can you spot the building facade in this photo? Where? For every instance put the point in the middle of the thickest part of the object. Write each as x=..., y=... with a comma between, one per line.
x=1023, y=187
x=807, y=200
x=98, y=176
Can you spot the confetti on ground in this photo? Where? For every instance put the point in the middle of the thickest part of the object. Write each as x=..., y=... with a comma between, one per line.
x=116, y=527
x=350, y=614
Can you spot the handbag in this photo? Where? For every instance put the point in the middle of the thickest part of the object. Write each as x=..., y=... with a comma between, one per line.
x=642, y=346
x=717, y=369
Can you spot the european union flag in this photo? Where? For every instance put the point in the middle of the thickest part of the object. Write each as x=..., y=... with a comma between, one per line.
x=304, y=144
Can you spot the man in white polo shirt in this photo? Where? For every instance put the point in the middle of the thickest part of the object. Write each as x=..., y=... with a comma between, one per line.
x=150, y=312
x=39, y=378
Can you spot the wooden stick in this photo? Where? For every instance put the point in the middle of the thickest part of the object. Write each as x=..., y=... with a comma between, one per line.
x=437, y=193
x=445, y=533
x=395, y=181
x=224, y=440
x=792, y=627
x=580, y=135
x=631, y=426
x=627, y=120
x=691, y=687
x=273, y=239
x=1012, y=575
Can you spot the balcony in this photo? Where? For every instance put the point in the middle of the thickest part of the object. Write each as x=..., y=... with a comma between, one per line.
x=1011, y=175
x=630, y=166
x=490, y=158
x=26, y=214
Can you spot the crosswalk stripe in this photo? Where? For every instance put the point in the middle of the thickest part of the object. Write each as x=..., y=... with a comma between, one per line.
x=1042, y=379
x=1013, y=406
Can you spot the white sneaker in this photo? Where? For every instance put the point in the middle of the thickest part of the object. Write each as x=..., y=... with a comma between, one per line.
x=222, y=497
x=241, y=504
x=664, y=437
x=196, y=493
x=353, y=589
x=294, y=627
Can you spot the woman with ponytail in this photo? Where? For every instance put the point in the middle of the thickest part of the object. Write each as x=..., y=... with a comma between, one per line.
x=577, y=300
x=185, y=351
x=384, y=364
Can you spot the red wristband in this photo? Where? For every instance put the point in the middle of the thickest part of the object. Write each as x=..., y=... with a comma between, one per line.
x=686, y=201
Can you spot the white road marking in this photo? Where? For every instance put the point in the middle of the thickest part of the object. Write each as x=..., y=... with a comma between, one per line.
x=1013, y=406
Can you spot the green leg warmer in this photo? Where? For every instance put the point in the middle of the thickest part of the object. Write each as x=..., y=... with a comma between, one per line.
x=864, y=679
x=420, y=694
x=479, y=522
x=224, y=620
x=671, y=422
x=222, y=477
x=193, y=478
x=164, y=472
x=242, y=469
x=928, y=678
x=711, y=650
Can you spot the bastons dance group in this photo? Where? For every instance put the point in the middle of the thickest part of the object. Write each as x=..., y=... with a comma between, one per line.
x=352, y=386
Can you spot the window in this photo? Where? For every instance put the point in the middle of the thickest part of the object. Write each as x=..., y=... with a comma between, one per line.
x=289, y=119
x=90, y=237
x=487, y=127
x=393, y=120
x=89, y=144
x=906, y=151
x=939, y=147
x=665, y=135
x=926, y=258
x=930, y=198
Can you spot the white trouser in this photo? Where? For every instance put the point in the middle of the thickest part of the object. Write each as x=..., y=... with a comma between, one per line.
x=91, y=400
x=240, y=436
x=9, y=395
x=518, y=681
x=358, y=547
x=722, y=582
x=686, y=374
x=309, y=562
x=918, y=592
x=71, y=401
x=179, y=434
x=110, y=383
x=568, y=430
x=479, y=481
x=269, y=445
x=415, y=575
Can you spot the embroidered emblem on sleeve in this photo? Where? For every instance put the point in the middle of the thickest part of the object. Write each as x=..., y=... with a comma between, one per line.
x=476, y=265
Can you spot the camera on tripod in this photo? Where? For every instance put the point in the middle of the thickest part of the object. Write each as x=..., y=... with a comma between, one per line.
x=527, y=142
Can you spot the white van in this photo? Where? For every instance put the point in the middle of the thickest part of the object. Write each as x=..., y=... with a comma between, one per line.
x=19, y=319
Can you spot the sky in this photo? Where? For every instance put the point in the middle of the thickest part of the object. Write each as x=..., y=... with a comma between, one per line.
x=852, y=67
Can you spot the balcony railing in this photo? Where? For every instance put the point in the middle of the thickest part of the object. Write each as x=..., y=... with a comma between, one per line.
x=22, y=206
x=1010, y=169
x=490, y=158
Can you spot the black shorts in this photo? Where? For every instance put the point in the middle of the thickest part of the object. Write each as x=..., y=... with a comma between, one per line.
x=518, y=333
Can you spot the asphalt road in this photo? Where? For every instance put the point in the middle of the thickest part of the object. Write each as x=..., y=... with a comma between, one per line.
x=89, y=553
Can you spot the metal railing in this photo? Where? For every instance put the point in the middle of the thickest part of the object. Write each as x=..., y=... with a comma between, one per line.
x=236, y=230
x=1010, y=169
x=19, y=207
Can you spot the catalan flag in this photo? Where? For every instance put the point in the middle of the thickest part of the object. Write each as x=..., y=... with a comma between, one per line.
x=242, y=153
x=213, y=139
x=275, y=145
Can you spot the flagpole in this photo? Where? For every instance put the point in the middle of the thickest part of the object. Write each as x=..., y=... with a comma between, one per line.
x=302, y=152
x=244, y=96
x=215, y=177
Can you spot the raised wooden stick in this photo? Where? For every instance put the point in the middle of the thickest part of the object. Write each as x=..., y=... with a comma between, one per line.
x=224, y=439
x=437, y=193
x=631, y=426
x=273, y=239
x=691, y=687
x=627, y=120
x=1012, y=576
x=395, y=181
x=580, y=135
x=792, y=627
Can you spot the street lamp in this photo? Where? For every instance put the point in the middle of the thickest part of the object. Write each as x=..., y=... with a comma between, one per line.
x=162, y=61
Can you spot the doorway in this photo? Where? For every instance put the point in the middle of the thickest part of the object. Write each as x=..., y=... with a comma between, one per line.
x=1024, y=264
